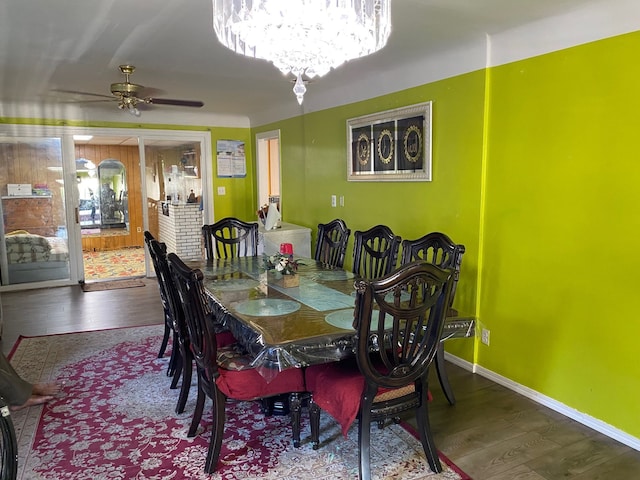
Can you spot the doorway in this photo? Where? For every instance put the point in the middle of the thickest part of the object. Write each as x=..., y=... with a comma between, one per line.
x=133, y=178
x=110, y=207
x=173, y=177
x=268, y=168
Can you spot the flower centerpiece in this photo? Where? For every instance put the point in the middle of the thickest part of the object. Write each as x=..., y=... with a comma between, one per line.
x=286, y=266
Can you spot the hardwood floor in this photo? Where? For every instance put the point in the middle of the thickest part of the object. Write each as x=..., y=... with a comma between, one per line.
x=491, y=433
x=69, y=309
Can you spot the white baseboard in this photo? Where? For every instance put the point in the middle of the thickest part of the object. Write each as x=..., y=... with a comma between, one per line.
x=549, y=402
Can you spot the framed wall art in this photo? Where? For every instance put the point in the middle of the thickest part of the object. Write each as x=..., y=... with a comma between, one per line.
x=390, y=146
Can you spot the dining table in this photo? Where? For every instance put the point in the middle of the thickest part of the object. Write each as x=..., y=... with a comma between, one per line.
x=283, y=327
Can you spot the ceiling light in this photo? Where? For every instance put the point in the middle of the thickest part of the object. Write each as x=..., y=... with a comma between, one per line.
x=129, y=104
x=303, y=37
x=82, y=138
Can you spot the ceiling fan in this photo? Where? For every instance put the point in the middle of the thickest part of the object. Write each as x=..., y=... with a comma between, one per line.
x=130, y=95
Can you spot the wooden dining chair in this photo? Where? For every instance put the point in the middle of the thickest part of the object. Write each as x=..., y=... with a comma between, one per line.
x=438, y=249
x=375, y=252
x=399, y=320
x=230, y=238
x=168, y=320
x=331, y=245
x=180, y=354
x=183, y=367
x=222, y=372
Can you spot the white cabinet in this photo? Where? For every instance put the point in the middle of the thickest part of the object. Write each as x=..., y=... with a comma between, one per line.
x=300, y=237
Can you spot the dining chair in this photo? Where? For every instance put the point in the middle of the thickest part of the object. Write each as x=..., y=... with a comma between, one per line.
x=223, y=372
x=183, y=367
x=168, y=320
x=375, y=252
x=438, y=249
x=180, y=353
x=331, y=245
x=398, y=320
x=230, y=238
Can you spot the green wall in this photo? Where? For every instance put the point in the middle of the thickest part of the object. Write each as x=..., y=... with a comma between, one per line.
x=240, y=199
x=561, y=228
x=313, y=159
x=535, y=171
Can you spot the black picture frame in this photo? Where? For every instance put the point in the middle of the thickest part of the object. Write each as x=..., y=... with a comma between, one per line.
x=394, y=145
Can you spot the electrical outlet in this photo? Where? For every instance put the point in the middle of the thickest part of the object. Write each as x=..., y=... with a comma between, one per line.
x=342, y=200
x=485, y=336
x=333, y=200
x=139, y=229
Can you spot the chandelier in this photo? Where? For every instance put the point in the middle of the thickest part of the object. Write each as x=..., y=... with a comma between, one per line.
x=303, y=37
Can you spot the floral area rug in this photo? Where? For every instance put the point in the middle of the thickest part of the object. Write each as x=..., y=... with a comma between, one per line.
x=116, y=420
x=126, y=262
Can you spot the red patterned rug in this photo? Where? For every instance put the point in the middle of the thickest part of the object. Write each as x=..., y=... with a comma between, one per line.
x=116, y=420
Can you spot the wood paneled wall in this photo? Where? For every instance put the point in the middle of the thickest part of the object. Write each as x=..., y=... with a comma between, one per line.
x=35, y=162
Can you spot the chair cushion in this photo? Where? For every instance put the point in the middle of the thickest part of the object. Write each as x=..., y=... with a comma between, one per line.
x=248, y=384
x=224, y=338
x=337, y=388
x=233, y=357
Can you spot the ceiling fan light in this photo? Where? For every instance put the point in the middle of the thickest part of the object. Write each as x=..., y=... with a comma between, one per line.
x=307, y=37
x=129, y=104
x=133, y=110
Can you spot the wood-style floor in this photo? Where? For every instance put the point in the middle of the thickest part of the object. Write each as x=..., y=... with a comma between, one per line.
x=492, y=433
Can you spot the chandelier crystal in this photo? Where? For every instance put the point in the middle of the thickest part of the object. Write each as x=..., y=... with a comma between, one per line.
x=303, y=37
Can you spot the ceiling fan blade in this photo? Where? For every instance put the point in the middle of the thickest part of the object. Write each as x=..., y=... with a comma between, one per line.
x=170, y=101
x=75, y=92
x=87, y=101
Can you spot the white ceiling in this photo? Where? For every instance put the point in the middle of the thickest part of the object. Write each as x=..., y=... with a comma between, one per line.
x=78, y=45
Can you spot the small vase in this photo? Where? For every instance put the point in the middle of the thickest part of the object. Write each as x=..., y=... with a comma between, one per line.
x=289, y=281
